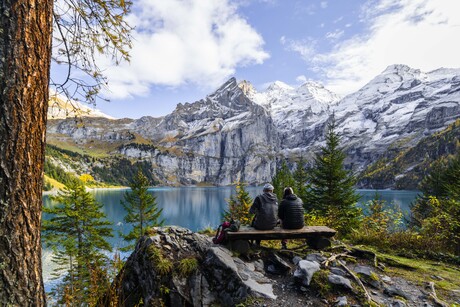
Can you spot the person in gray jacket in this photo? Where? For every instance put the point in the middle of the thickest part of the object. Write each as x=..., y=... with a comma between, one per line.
x=265, y=207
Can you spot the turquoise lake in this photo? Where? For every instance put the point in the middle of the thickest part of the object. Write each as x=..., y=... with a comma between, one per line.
x=199, y=207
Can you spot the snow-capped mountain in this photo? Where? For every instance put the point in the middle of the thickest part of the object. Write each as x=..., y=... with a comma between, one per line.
x=294, y=111
x=221, y=138
x=287, y=104
x=238, y=133
x=401, y=104
x=60, y=107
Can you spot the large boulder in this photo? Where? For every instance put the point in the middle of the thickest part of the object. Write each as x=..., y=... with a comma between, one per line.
x=176, y=267
x=305, y=270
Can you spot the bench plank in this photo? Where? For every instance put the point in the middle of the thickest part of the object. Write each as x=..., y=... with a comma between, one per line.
x=250, y=233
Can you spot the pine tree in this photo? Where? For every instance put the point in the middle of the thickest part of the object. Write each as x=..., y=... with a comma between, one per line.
x=282, y=179
x=301, y=180
x=141, y=209
x=238, y=205
x=443, y=182
x=436, y=213
x=332, y=192
x=77, y=232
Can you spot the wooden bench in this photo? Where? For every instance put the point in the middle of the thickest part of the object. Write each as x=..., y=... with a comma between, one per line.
x=317, y=236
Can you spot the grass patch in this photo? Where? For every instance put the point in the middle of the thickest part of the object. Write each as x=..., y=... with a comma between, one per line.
x=164, y=266
x=423, y=271
x=320, y=283
x=272, y=244
x=94, y=149
x=187, y=266
x=406, y=243
x=208, y=231
x=161, y=264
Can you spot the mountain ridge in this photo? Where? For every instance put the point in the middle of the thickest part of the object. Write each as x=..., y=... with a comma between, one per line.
x=237, y=133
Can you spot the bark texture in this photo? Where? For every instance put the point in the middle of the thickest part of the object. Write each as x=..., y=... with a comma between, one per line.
x=25, y=52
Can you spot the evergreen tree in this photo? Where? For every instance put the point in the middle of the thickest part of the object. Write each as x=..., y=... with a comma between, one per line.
x=282, y=179
x=443, y=182
x=432, y=185
x=141, y=209
x=436, y=213
x=301, y=180
x=238, y=205
x=332, y=192
x=77, y=232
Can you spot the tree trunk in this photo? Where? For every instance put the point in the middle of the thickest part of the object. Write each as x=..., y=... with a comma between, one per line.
x=25, y=53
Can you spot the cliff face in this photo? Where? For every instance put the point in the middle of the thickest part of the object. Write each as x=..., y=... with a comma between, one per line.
x=220, y=139
x=237, y=133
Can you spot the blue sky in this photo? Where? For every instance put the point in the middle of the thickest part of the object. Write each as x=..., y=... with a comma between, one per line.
x=184, y=49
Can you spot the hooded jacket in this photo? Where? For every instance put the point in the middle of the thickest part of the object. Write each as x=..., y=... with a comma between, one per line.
x=291, y=212
x=265, y=207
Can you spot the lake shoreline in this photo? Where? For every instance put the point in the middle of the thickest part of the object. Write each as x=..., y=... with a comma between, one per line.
x=55, y=190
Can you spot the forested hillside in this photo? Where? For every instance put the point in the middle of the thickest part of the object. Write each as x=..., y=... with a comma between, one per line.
x=405, y=169
x=62, y=164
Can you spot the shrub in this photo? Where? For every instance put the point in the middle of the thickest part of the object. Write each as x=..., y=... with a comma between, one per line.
x=238, y=206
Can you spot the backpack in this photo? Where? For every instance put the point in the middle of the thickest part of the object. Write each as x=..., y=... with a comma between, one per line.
x=219, y=238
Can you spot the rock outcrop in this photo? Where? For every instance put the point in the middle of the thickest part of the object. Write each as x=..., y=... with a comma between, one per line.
x=198, y=273
x=173, y=266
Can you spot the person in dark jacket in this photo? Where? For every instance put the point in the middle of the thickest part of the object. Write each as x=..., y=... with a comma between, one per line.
x=290, y=212
x=265, y=208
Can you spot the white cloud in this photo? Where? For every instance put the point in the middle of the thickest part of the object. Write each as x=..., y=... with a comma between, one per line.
x=422, y=34
x=335, y=35
x=301, y=79
x=306, y=48
x=323, y=4
x=338, y=19
x=180, y=42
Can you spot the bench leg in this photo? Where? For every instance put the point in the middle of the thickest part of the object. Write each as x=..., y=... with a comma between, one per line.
x=318, y=243
x=239, y=246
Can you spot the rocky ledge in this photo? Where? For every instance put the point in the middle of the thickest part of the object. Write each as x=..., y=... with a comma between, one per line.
x=175, y=267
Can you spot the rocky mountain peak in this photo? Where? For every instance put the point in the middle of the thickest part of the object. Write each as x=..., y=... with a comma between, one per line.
x=229, y=86
x=230, y=97
x=318, y=92
x=395, y=68
x=227, y=101
x=247, y=88
x=279, y=86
